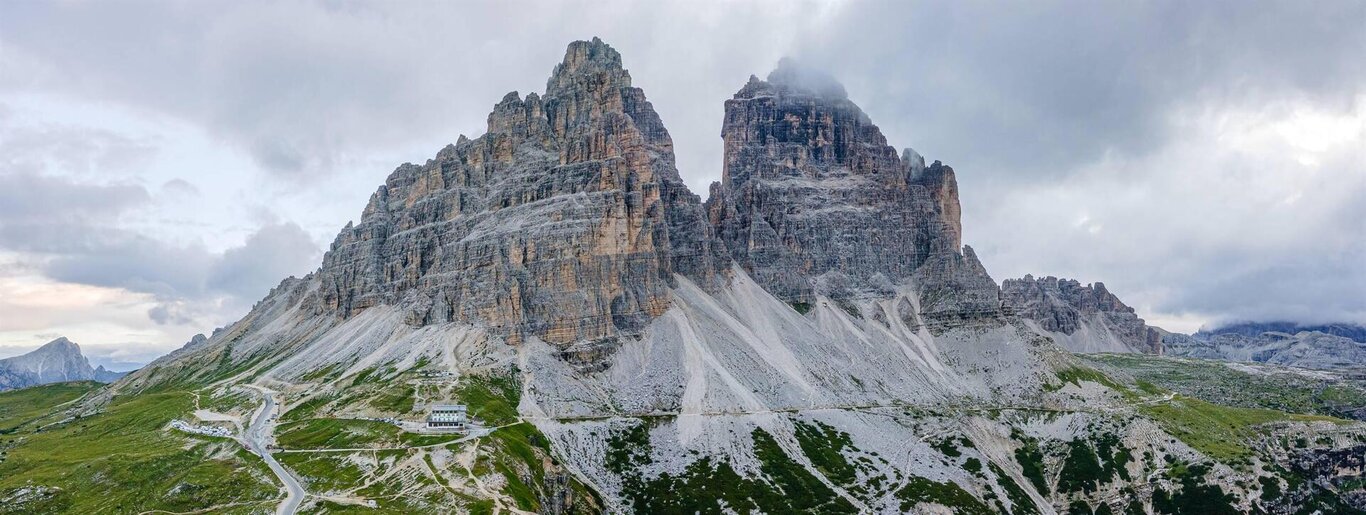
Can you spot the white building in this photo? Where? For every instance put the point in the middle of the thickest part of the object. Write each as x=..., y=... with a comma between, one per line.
x=446, y=416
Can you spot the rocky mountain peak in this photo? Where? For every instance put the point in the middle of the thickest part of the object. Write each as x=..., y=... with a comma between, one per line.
x=55, y=361
x=60, y=345
x=566, y=221
x=814, y=201
x=1067, y=307
x=588, y=62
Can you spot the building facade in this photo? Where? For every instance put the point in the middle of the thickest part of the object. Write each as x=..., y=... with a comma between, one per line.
x=447, y=416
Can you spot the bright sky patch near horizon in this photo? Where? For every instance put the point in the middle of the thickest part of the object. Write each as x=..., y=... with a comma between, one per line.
x=164, y=164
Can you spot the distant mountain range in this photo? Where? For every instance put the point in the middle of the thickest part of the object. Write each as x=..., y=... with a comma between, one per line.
x=1352, y=332
x=1090, y=319
x=57, y=361
x=1327, y=346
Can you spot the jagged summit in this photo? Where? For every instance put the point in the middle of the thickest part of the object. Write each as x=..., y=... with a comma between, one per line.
x=566, y=221
x=588, y=59
x=61, y=344
x=814, y=201
x=1081, y=318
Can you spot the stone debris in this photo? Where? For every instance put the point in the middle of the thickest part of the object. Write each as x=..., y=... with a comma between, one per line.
x=181, y=425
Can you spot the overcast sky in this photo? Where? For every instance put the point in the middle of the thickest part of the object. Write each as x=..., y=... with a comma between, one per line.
x=163, y=165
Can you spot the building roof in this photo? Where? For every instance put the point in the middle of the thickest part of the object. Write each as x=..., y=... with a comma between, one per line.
x=448, y=407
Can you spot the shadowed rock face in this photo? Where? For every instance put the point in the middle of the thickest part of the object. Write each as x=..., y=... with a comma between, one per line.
x=813, y=200
x=566, y=220
x=1064, y=306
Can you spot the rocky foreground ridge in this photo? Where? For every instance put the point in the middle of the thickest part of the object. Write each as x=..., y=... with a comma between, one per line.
x=812, y=338
x=56, y=361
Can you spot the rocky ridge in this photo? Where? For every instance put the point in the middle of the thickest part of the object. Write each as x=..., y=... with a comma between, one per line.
x=56, y=361
x=813, y=201
x=567, y=220
x=1082, y=318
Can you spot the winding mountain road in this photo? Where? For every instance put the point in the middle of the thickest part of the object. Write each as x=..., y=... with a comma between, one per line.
x=255, y=440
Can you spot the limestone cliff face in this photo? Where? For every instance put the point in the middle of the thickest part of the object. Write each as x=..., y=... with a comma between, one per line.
x=813, y=200
x=566, y=220
x=1066, y=306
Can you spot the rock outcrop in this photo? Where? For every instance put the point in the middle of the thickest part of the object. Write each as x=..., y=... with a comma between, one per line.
x=56, y=361
x=566, y=221
x=813, y=201
x=1067, y=308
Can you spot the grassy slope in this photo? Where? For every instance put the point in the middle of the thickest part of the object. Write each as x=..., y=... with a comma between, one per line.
x=516, y=458
x=1218, y=409
x=21, y=407
x=123, y=460
x=1218, y=383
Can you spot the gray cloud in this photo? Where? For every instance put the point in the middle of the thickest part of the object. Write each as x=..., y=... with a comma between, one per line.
x=269, y=255
x=33, y=198
x=72, y=233
x=1028, y=91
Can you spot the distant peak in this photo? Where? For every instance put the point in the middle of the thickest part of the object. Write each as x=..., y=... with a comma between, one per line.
x=791, y=75
x=61, y=343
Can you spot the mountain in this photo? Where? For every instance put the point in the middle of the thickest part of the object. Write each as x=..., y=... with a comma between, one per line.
x=1354, y=332
x=813, y=338
x=1334, y=346
x=56, y=361
x=1080, y=318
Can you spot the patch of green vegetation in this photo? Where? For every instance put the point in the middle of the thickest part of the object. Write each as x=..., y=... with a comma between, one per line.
x=1020, y=502
x=1271, y=488
x=326, y=373
x=364, y=376
x=395, y=400
x=308, y=408
x=1222, y=383
x=801, y=307
x=520, y=453
x=1075, y=375
x=1220, y=432
x=919, y=489
x=227, y=401
x=706, y=487
x=973, y=465
x=123, y=461
x=948, y=448
x=850, y=308
x=802, y=491
x=1081, y=470
x=1195, y=497
x=628, y=450
x=491, y=398
x=1030, y=459
x=824, y=446
x=1115, y=456
x=335, y=433
x=323, y=472
x=26, y=405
